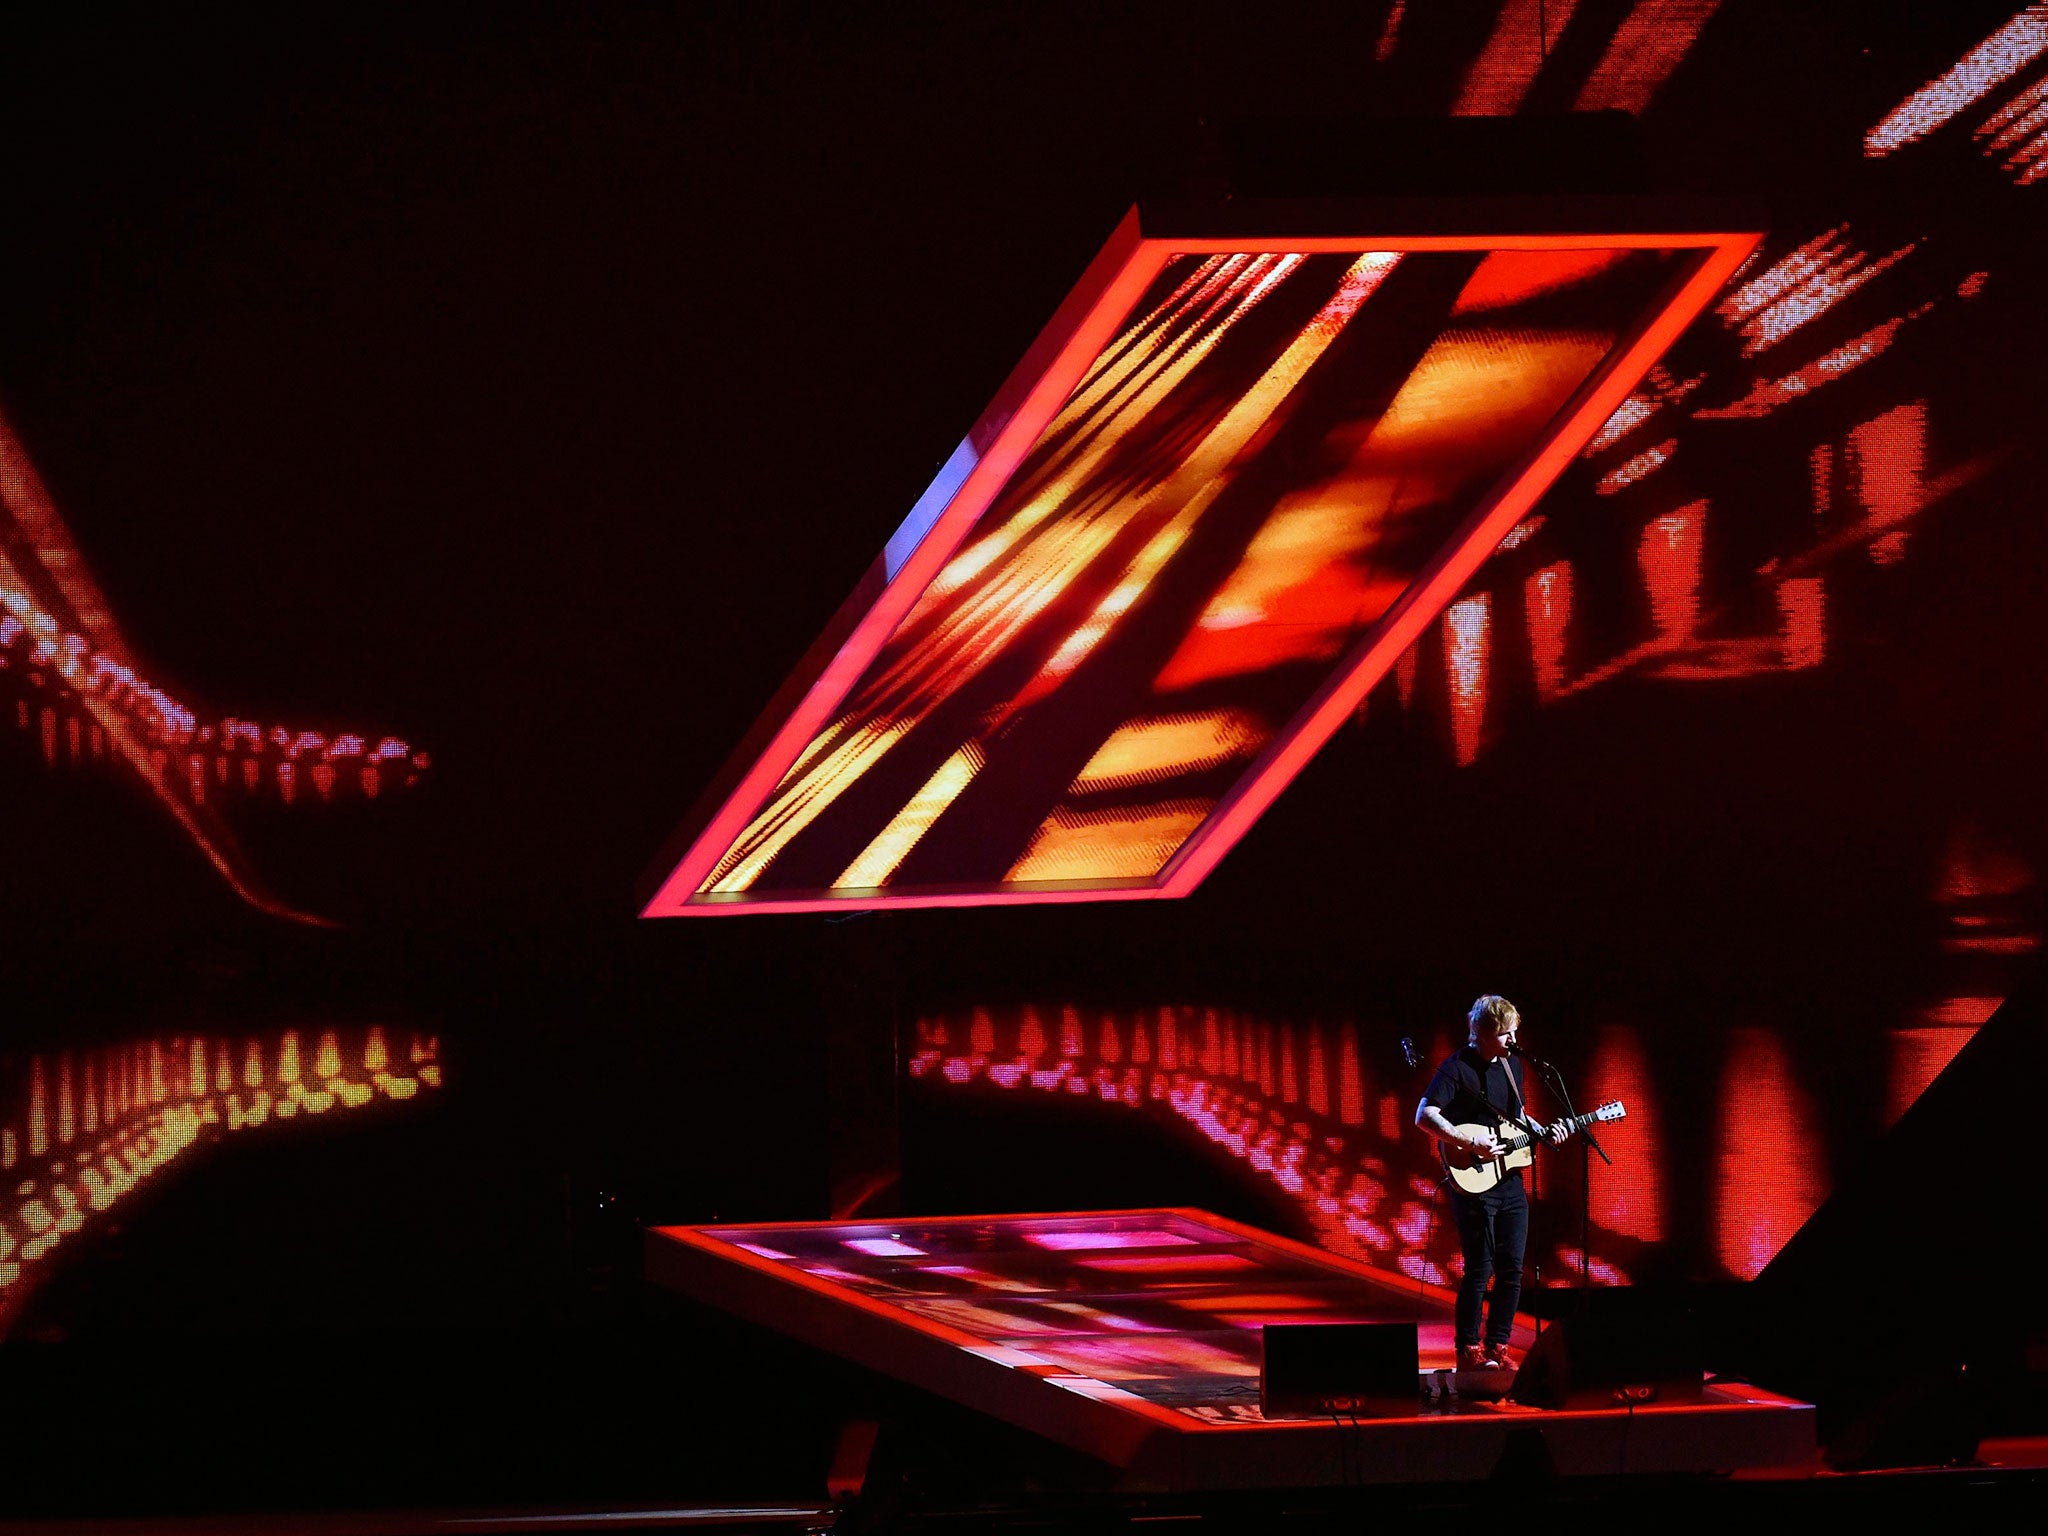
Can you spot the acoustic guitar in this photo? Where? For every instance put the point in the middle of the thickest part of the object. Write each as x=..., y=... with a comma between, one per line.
x=1476, y=1175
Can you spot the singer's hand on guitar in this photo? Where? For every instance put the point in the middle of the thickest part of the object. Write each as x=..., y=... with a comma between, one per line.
x=1486, y=1147
x=1560, y=1132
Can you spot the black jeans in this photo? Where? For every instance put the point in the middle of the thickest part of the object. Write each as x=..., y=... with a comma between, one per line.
x=1493, y=1229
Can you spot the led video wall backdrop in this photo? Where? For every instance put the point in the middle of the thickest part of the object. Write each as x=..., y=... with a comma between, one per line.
x=1740, y=721
x=1725, y=754
x=1235, y=478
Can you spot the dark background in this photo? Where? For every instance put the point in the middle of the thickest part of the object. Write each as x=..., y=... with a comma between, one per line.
x=533, y=384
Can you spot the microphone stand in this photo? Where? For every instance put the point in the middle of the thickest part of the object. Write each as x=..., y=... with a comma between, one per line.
x=1556, y=1080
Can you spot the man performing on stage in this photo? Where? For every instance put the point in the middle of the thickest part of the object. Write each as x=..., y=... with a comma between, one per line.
x=1474, y=1091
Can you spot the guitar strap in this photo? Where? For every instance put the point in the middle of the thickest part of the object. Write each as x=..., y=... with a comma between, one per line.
x=1520, y=1116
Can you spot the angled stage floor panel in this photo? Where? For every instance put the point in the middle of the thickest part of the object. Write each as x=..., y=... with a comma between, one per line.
x=1134, y=1337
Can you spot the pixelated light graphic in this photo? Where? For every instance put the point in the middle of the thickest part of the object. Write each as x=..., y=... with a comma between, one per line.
x=84, y=1128
x=1468, y=627
x=1547, y=600
x=1980, y=71
x=1501, y=77
x=2016, y=135
x=1390, y=33
x=1645, y=51
x=1801, y=288
x=1646, y=463
x=66, y=659
x=1886, y=457
x=1670, y=556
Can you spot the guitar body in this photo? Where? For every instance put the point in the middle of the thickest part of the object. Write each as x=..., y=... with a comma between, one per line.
x=1476, y=1175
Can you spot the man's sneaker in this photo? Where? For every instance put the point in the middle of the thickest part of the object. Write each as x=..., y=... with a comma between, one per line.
x=1500, y=1358
x=1471, y=1357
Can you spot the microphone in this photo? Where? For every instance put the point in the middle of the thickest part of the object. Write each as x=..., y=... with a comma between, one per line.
x=1408, y=1052
x=1534, y=1061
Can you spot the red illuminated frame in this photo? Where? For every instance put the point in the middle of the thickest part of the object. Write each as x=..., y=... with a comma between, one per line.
x=1711, y=245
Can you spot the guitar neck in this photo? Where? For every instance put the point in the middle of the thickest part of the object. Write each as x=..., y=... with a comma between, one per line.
x=1523, y=1139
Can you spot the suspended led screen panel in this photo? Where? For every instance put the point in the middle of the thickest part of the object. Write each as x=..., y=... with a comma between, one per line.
x=1230, y=483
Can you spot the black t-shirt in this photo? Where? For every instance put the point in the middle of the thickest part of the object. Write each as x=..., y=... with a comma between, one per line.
x=1470, y=1090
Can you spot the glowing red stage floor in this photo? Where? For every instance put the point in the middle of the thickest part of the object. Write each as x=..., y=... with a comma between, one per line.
x=1135, y=1336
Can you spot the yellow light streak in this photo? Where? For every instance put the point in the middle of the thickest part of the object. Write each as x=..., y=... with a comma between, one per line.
x=1107, y=844
x=797, y=805
x=879, y=860
x=1206, y=473
x=1165, y=746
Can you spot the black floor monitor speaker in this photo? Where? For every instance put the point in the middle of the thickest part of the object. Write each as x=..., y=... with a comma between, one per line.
x=1614, y=1347
x=1353, y=1370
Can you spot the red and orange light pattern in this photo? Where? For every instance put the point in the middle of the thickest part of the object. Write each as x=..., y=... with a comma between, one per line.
x=1647, y=44
x=1275, y=461
x=1301, y=1105
x=79, y=691
x=82, y=1129
x=1161, y=1311
x=1294, y=1101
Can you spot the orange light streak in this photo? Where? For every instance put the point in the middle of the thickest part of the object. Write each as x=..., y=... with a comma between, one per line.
x=1512, y=277
x=1515, y=52
x=1766, y=396
x=66, y=1111
x=1468, y=630
x=1095, y=844
x=1132, y=381
x=38, y=1109
x=1146, y=750
x=1208, y=471
x=804, y=801
x=1645, y=51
